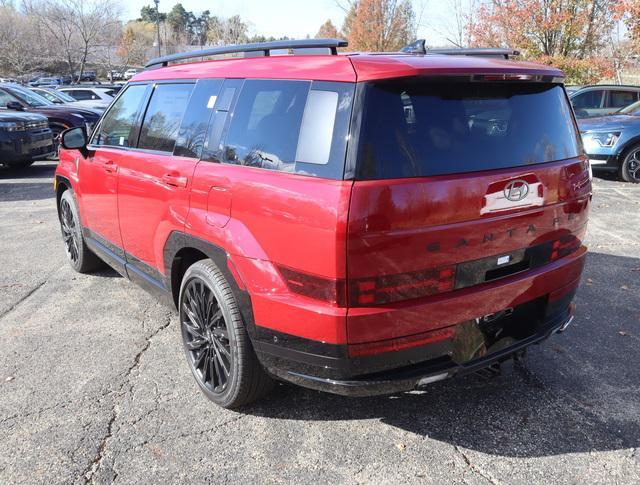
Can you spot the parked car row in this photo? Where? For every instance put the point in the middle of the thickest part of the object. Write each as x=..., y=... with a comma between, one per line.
x=16, y=98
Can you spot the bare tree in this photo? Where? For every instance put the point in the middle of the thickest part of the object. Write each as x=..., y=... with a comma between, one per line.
x=74, y=28
x=18, y=42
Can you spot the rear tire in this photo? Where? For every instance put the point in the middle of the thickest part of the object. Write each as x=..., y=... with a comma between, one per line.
x=81, y=258
x=629, y=170
x=215, y=340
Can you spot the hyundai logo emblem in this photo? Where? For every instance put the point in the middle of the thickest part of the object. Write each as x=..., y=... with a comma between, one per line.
x=516, y=190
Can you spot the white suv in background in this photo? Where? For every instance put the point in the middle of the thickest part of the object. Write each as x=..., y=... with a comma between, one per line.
x=90, y=93
x=129, y=73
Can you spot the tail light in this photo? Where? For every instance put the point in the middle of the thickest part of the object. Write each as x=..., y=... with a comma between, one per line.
x=326, y=289
x=405, y=286
x=564, y=246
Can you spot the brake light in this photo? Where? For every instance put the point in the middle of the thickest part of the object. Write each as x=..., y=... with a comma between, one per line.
x=564, y=246
x=507, y=77
x=405, y=286
x=318, y=287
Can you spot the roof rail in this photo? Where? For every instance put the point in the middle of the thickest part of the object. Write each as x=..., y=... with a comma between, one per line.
x=418, y=47
x=260, y=47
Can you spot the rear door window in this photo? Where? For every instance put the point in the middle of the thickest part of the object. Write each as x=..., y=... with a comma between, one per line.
x=82, y=95
x=193, y=130
x=265, y=124
x=620, y=99
x=290, y=126
x=163, y=117
x=588, y=100
x=413, y=129
x=117, y=128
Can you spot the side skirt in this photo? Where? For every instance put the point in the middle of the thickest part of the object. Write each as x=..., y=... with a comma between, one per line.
x=129, y=266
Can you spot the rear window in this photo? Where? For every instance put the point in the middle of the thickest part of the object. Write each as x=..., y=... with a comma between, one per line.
x=414, y=129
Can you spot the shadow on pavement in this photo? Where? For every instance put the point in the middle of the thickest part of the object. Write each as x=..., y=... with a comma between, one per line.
x=578, y=392
x=15, y=183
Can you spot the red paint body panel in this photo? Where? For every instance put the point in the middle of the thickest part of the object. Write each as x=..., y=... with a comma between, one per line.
x=276, y=219
x=400, y=226
x=320, y=68
x=149, y=207
x=345, y=68
x=98, y=199
x=370, y=67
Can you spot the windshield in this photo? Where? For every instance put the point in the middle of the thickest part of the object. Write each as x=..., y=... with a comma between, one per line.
x=415, y=128
x=29, y=97
x=632, y=109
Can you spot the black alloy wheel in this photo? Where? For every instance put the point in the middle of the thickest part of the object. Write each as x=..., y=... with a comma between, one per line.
x=81, y=258
x=206, y=337
x=69, y=231
x=630, y=167
x=216, y=343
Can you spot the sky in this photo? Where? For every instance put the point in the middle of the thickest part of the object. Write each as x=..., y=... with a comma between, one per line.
x=297, y=18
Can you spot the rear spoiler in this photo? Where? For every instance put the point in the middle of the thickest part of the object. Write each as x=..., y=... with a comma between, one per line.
x=419, y=47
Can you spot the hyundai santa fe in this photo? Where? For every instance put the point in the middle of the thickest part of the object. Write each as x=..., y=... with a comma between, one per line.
x=355, y=223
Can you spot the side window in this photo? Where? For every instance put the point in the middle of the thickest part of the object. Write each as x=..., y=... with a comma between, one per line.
x=266, y=123
x=117, y=126
x=5, y=98
x=322, y=144
x=620, y=99
x=81, y=94
x=588, y=100
x=163, y=117
x=193, y=129
x=212, y=150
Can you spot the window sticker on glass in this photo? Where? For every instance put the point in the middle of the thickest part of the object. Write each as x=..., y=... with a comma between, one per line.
x=212, y=102
x=121, y=141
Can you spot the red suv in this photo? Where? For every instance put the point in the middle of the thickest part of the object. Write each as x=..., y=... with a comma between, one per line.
x=360, y=224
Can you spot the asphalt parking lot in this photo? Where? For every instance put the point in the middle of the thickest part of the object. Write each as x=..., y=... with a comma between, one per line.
x=94, y=386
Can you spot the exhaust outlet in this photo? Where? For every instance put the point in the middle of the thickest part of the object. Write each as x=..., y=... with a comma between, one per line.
x=564, y=326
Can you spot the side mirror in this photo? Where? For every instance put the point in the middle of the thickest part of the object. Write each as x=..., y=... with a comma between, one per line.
x=15, y=105
x=74, y=138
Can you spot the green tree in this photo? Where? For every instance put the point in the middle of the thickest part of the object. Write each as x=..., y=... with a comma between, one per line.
x=148, y=14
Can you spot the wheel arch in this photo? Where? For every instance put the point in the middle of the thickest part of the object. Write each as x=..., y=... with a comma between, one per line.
x=622, y=151
x=62, y=184
x=182, y=250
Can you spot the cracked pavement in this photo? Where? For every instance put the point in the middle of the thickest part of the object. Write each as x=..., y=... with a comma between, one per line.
x=94, y=387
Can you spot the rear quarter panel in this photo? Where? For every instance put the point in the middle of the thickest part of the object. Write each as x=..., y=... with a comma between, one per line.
x=277, y=218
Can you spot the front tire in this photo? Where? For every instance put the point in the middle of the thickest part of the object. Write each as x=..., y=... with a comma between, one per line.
x=216, y=343
x=629, y=170
x=81, y=258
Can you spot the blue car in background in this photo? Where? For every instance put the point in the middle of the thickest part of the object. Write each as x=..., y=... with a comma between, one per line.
x=613, y=142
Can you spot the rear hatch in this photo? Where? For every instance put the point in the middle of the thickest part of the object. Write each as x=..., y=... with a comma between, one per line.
x=459, y=183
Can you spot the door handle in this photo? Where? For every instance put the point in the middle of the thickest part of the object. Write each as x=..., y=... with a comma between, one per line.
x=174, y=180
x=110, y=166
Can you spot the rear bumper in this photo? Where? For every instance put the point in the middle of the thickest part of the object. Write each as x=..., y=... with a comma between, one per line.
x=438, y=365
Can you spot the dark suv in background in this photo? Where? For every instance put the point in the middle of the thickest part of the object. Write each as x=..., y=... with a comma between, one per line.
x=61, y=117
x=24, y=138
